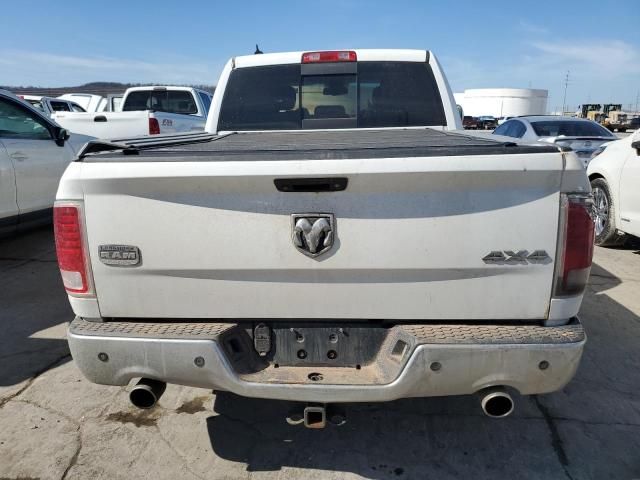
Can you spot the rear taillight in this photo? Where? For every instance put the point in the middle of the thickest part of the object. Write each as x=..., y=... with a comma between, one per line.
x=575, y=249
x=154, y=126
x=332, y=56
x=71, y=248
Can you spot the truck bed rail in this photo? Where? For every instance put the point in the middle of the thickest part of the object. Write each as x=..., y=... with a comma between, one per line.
x=320, y=144
x=132, y=146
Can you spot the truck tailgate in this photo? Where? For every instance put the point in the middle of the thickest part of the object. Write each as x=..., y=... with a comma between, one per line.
x=105, y=124
x=415, y=237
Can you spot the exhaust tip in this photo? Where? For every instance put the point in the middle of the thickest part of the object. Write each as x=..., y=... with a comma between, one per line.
x=496, y=403
x=146, y=393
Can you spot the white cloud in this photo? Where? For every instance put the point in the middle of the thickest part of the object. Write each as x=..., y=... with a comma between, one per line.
x=602, y=58
x=48, y=69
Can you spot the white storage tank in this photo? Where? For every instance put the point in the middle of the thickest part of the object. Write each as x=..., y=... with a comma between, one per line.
x=503, y=102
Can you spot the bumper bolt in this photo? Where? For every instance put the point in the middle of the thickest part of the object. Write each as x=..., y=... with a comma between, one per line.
x=338, y=419
x=199, y=361
x=103, y=357
x=302, y=354
x=543, y=365
x=435, y=366
x=298, y=335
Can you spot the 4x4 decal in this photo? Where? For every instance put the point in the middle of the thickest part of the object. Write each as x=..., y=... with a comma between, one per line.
x=521, y=257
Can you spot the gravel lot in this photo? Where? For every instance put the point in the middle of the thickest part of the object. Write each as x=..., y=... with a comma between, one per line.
x=55, y=425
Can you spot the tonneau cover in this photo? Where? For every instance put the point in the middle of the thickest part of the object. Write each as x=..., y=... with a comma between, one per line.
x=315, y=145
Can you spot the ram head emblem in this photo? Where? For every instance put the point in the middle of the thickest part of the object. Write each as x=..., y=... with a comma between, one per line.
x=313, y=233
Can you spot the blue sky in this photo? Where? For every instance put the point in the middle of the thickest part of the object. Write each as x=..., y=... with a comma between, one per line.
x=480, y=43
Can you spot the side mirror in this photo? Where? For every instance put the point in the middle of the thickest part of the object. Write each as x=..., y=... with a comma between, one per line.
x=60, y=135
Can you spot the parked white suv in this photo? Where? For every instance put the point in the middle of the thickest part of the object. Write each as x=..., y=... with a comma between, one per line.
x=34, y=152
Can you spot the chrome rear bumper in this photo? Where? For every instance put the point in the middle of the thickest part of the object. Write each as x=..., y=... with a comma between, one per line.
x=439, y=360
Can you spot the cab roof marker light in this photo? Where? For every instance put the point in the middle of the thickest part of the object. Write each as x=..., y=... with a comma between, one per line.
x=330, y=56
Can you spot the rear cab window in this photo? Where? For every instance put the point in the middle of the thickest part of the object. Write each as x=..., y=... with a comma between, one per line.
x=170, y=101
x=59, y=106
x=326, y=97
x=369, y=94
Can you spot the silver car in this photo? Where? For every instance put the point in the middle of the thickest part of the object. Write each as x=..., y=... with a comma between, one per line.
x=583, y=136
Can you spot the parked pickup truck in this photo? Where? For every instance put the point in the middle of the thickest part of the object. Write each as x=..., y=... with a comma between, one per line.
x=333, y=237
x=51, y=105
x=34, y=152
x=469, y=123
x=145, y=111
x=97, y=103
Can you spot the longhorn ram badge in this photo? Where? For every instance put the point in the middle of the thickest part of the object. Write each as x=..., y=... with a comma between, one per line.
x=313, y=233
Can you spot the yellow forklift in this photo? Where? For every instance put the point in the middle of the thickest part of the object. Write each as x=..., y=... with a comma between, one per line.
x=587, y=108
x=616, y=120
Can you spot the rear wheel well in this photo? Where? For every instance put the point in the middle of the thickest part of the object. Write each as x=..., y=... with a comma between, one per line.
x=593, y=176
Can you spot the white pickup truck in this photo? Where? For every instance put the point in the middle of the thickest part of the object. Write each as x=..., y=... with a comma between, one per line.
x=94, y=103
x=333, y=237
x=145, y=111
x=50, y=105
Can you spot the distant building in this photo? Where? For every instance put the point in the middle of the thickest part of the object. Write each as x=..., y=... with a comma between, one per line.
x=503, y=102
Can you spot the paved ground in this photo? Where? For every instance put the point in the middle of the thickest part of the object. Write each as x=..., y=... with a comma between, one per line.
x=54, y=424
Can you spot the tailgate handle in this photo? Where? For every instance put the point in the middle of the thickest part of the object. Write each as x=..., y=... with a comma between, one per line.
x=336, y=184
x=100, y=118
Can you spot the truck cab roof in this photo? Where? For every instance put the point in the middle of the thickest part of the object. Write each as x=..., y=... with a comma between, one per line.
x=147, y=88
x=362, y=55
